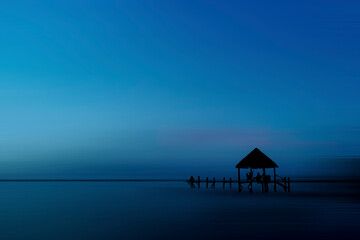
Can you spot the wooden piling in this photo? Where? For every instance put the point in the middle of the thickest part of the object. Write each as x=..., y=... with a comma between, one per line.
x=274, y=180
x=288, y=184
x=198, y=181
x=214, y=183
x=207, y=182
x=263, y=181
x=230, y=183
x=223, y=183
x=239, y=182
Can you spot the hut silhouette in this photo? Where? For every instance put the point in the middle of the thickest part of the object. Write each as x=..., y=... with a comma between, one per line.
x=257, y=160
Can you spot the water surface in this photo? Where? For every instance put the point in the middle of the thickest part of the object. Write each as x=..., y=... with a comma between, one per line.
x=172, y=210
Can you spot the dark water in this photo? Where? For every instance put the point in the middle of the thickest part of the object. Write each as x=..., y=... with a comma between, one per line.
x=172, y=210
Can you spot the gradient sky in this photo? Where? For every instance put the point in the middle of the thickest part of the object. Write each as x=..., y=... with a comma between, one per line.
x=171, y=88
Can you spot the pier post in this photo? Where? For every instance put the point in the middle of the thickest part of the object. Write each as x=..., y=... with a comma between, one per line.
x=288, y=184
x=230, y=183
x=274, y=180
x=214, y=183
x=223, y=183
x=198, y=181
x=239, y=182
x=263, y=181
x=207, y=182
x=285, y=184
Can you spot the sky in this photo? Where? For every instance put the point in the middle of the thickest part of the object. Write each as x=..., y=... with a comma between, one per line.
x=168, y=89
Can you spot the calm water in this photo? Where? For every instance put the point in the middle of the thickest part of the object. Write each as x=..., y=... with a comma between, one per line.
x=172, y=210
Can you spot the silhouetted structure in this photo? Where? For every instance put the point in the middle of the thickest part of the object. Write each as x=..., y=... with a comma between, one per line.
x=257, y=160
x=191, y=182
x=254, y=160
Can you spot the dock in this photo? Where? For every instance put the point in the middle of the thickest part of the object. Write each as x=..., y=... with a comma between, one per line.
x=284, y=183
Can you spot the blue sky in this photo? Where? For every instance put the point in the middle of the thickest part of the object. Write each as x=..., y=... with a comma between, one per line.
x=166, y=88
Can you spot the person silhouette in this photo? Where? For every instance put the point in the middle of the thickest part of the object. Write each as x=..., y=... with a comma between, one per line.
x=258, y=178
x=191, y=181
x=266, y=182
x=249, y=175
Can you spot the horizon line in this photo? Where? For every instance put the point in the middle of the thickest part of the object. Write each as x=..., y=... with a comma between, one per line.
x=300, y=180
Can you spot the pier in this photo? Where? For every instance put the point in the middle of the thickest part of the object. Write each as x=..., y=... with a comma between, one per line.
x=223, y=183
x=255, y=160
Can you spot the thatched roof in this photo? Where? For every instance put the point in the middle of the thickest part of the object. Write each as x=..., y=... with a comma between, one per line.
x=256, y=159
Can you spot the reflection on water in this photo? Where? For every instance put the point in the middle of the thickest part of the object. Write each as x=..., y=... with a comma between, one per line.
x=172, y=210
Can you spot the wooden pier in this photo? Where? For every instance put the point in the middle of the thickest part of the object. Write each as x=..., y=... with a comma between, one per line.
x=255, y=160
x=284, y=183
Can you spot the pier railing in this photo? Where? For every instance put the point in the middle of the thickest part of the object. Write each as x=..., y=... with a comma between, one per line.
x=283, y=182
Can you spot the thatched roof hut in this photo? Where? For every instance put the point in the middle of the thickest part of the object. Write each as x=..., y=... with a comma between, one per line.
x=256, y=159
